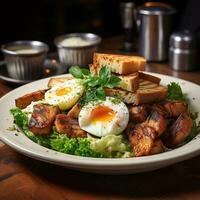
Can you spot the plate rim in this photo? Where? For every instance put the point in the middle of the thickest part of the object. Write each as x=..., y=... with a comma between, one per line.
x=106, y=162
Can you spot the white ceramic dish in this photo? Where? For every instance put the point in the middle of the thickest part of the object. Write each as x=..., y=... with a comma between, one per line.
x=22, y=144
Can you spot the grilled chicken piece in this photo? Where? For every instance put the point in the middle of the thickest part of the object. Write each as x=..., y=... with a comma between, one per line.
x=138, y=114
x=158, y=147
x=175, y=108
x=178, y=132
x=141, y=138
x=74, y=112
x=42, y=118
x=66, y=125
x=157, y=122
x=24, y=101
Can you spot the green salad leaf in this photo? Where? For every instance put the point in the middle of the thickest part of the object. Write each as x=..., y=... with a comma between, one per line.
x=94, y=85
x=175, y=92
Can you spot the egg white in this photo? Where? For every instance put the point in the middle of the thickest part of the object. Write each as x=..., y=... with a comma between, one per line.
x=67, y=100
x=101, y=128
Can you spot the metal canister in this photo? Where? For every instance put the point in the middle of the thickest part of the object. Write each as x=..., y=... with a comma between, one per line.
x=183, y=51
x=155, y=26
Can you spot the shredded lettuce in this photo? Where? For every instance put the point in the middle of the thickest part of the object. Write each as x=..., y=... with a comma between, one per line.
x=112, y=146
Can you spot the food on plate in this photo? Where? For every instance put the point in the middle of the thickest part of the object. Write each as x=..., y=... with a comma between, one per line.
x=65, y=94
x=42, y=118
x=101, y=118
x=179, y=130
x=147, y=92
x=112, y=111
x=24, y=101
x=67, y=125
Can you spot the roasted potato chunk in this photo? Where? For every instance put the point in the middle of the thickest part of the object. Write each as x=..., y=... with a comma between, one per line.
x=158, y=147
x=141, y=138
x=24, y=101
x=175, y=108
x=157, y=122
x=66, y=125
x=139, y=114
x=42, y=119
x=178, y=132
x=74, y=112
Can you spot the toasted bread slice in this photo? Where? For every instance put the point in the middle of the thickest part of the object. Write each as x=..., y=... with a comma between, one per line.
x=119, y=64
x=147, y=92
x=129, y=82
x=54, y=81
x=149, y=77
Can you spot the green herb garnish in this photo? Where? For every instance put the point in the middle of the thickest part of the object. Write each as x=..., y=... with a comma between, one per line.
x=94, y=85
x=175, y=92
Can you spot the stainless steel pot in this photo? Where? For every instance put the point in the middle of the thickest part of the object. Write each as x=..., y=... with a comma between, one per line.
x=155, y=23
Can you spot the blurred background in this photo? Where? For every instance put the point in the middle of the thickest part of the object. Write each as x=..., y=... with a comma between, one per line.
x=45, y=19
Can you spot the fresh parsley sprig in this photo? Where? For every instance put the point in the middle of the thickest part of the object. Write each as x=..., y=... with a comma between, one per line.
x=94, y=85
x=175, y=92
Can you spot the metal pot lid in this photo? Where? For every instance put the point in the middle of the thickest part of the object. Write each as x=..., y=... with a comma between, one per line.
x=183, y=40
x=156, y=8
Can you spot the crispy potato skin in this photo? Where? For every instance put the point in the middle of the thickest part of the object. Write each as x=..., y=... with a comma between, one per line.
x=42, y=119
x=74, y=112
x=142, y=139
x=153, y=134
x=139, y=114
x=66, y=125
x=157, y=122
x=175, y=108
x=178, y=132
x=24, y=101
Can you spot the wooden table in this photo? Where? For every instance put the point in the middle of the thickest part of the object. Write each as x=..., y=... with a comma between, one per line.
x=25, y=178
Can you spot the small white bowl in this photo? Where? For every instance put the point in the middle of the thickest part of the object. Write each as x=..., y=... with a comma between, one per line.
x=78, y=54
x=25, y=59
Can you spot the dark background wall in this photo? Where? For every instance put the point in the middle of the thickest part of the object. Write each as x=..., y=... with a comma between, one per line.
x=45, y=19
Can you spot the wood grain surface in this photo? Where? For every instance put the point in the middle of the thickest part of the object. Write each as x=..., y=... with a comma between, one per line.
x=23, y=178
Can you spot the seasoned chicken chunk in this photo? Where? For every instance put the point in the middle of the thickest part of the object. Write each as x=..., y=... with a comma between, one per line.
x=157, y=122
x=66, y=125
x=42, y=118
x=157, y=147
x=142, y=139
x=175, y=108
x=178, y=132
x=138, y=114
x=24, y=101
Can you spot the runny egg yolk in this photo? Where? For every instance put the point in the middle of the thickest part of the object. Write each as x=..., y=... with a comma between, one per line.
x=102, y=114
x=63, y=91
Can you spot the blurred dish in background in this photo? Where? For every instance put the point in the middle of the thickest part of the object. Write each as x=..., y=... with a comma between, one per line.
x=77, y=48
x=25, y=59
x=51, y=67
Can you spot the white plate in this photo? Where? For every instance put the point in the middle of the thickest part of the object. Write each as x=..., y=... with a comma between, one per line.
x=22, y=144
